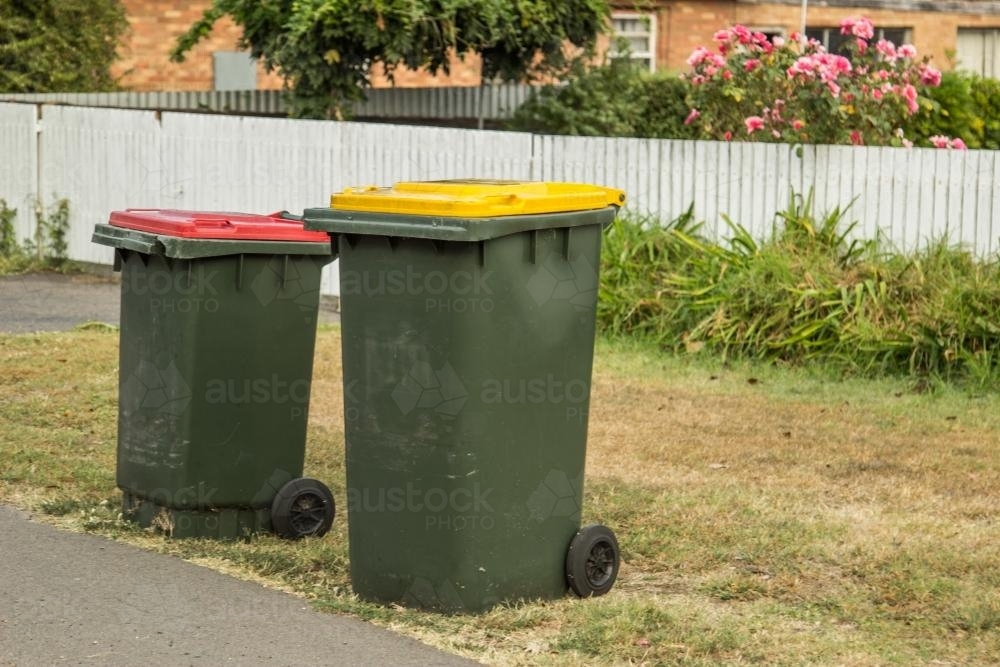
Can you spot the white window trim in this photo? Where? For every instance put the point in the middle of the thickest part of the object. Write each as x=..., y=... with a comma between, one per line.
x=990, y=67
x=650, y=33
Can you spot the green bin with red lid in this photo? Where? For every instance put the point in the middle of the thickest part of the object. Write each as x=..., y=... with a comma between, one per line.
x=218, y=329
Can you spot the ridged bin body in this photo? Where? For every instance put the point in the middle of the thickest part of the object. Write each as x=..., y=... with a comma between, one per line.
x=467, y=370
x=215, y=366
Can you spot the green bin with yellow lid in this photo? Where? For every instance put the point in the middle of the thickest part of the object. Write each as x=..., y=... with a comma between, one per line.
x=468, y=316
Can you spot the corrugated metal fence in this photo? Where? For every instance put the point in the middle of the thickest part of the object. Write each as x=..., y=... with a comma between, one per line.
x=444, y=103
x=105, y=159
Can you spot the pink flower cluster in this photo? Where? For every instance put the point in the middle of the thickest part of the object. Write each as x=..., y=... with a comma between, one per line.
x=740, y=34
x=940, y=141
x=859, y=27
x=795, y=90
x=827, y=67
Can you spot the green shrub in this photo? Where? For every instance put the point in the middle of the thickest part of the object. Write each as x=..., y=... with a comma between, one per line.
x=8, y=237
x=806, y=294
x=964, y=105
x=986, y=98
x=948, y=110
x=46, y=250
x=618, y=99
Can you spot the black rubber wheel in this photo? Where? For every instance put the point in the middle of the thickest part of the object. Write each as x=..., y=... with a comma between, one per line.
x=592, y=561
x=302, y=508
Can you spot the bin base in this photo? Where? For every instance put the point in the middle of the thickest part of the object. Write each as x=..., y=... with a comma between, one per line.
x=226, y=523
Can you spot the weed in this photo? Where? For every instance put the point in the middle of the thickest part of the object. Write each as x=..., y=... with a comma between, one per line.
x=808, y=294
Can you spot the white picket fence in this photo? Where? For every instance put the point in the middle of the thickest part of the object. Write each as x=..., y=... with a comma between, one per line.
x=107, y=159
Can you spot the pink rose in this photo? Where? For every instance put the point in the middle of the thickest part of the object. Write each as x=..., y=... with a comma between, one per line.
x=859, y=27
x=958, y=144
x=754, y=123
x=910, y=95
x=930, y=76
x=907, y=51
x=939, y=141
x=698, y=56
x=751, y=65
x=887, y=49
x=692, y=117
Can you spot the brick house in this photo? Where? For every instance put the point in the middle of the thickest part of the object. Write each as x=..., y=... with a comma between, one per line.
x=662, y=34
x=216, y=63
x=962, y=32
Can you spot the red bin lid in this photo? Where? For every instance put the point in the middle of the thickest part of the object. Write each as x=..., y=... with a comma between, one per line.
x=212, y=225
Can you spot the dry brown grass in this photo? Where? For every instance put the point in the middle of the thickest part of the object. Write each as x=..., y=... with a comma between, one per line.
x=790, y=520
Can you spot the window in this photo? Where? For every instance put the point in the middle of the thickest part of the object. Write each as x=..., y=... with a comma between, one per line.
x=639, y=31
x=770, y=33
x=834, y=41
x=234, y=70
x=979, y=51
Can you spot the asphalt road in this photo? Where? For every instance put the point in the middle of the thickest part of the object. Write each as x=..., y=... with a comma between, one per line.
x=74, y=599
x=56, y=302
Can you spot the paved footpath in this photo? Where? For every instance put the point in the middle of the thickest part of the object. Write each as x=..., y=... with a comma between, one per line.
x=74, y=599
x=57, y=302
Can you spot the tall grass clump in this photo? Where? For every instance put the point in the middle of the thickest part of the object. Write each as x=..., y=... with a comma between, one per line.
x=810, y=292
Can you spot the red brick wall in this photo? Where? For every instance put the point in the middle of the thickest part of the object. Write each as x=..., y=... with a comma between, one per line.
x=681, y=26
x=155, y=26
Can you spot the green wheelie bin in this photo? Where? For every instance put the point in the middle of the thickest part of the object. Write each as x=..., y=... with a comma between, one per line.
x=218, y=327
x=468, y=315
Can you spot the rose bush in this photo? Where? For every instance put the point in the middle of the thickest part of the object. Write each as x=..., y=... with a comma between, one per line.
x=756, y=89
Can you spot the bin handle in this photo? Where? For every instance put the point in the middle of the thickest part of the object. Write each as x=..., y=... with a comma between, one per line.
x=147, y=247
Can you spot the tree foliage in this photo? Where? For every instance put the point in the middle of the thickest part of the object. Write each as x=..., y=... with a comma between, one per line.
x=325, y=49
x=617, y=99
x=59, y=45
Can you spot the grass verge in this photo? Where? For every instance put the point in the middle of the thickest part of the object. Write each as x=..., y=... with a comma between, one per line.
x=766, y=514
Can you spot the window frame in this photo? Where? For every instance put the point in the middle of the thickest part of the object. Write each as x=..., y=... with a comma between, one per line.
x=650, y=33
x=991, y=70
x=770, y=31
x=879, y=34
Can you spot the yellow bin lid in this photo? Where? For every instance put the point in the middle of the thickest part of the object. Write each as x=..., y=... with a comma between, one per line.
x=473, y=198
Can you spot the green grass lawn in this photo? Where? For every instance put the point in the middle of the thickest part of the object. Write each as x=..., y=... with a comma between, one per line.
x=765, y=514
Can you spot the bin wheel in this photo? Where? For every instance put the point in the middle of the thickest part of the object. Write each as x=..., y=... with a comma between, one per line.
x=592, y=561
x=302, y=508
